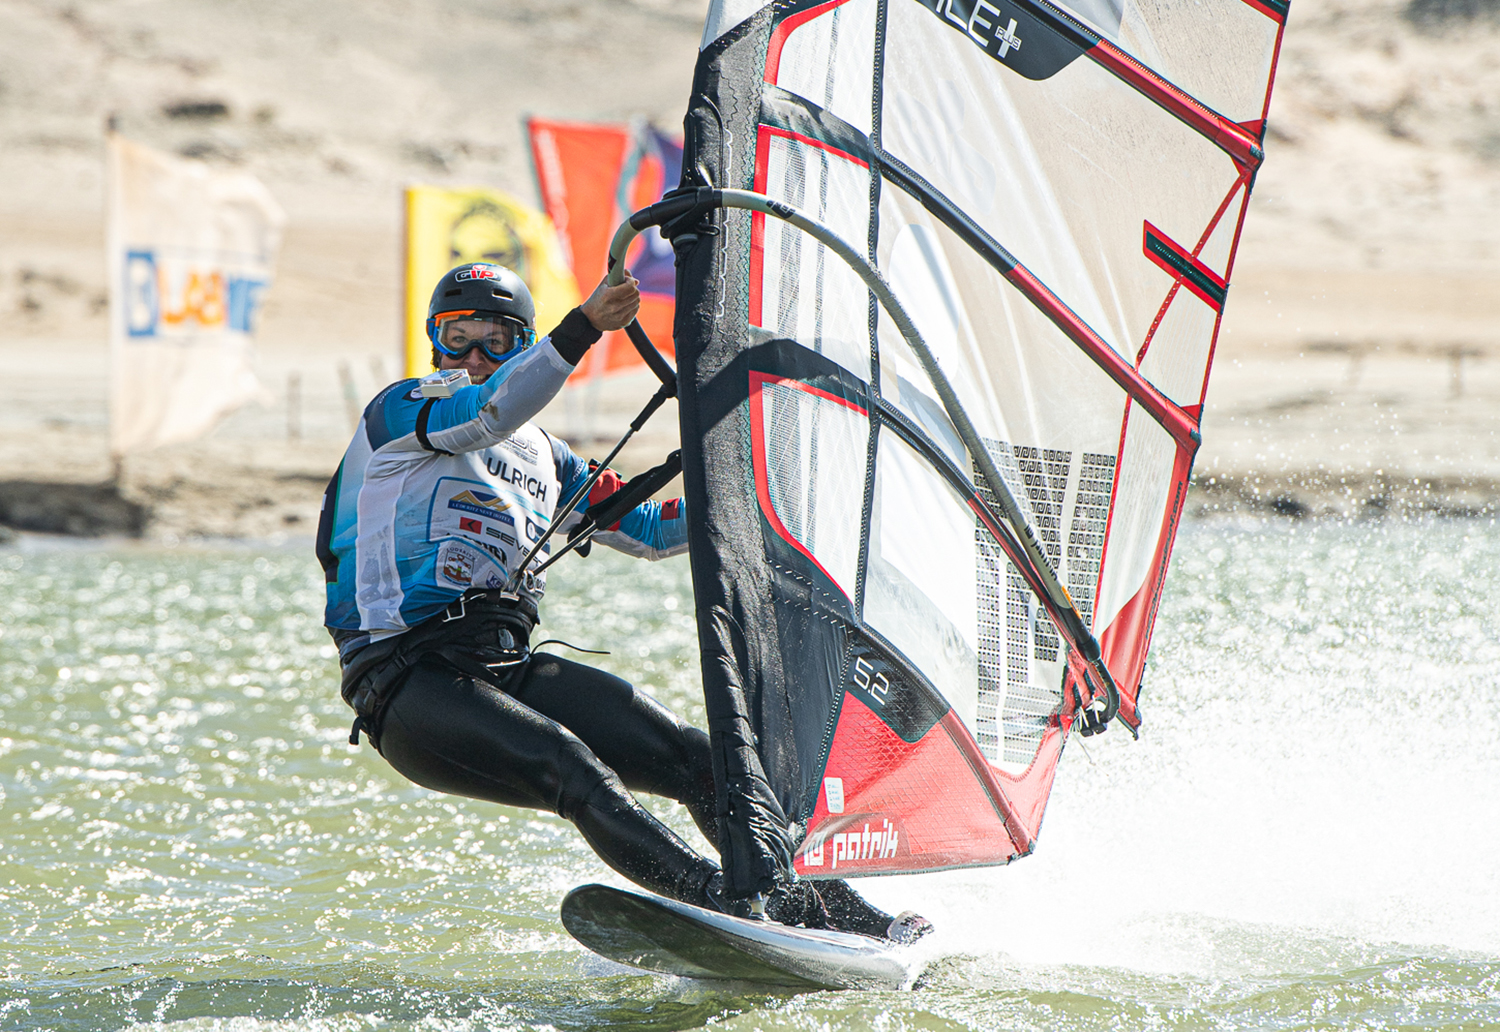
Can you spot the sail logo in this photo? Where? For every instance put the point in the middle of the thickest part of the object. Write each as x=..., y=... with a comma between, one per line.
x=997, y=29
x=874, y=681
x=178, y=295
x=1008, y=39
x=857, y=846
x=985, y=17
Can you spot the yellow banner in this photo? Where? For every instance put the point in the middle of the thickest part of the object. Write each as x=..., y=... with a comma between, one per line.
x=448, y=227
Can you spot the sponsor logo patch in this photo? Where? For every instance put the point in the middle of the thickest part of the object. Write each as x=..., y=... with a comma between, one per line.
x=858, y=845
x=481, y=503
x=456, y=565
x=475, y=272
x=521, y=447
x=472, y=526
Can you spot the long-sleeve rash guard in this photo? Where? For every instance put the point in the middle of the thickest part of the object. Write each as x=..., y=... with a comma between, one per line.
x=408, y=525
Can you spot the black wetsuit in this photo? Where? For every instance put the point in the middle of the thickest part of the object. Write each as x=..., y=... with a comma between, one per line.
x=433, y=506
x=461, y=706
x=560, y=736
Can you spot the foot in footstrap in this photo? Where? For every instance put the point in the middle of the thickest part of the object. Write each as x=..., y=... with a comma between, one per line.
x=794, y=903
x=851, y=912
x=798, y=903
x=907, y=927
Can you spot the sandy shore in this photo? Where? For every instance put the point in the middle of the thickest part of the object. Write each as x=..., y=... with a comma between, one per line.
x=1358, y=371
x=1372, y=433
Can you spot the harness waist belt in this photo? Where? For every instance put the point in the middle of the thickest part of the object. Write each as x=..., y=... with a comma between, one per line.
x=481, y=633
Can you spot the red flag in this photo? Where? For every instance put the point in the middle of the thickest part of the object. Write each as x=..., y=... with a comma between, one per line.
x=591, y=177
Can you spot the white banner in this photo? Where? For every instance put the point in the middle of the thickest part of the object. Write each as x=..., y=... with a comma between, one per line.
x=191, y=251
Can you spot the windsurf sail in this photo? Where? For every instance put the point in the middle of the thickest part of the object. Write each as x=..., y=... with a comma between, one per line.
x=950, y=274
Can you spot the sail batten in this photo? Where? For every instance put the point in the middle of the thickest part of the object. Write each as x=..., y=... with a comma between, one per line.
x=940, y=394
x=1176, y=422
x=998, y=41
x=839, y=139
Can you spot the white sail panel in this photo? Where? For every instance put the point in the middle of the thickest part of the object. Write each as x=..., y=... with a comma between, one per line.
x=1217, y=51
x=825, y=55
x=815, y=449
x=798, y=288
x=1143, y=486
x=1176, y=360
x=987, y=165
x=1216, y=251
x=931, y=297
x=1019, y=146
x=920, y=588
x=1020, y=378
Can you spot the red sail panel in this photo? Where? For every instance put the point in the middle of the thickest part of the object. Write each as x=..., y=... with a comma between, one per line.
x=889, y=806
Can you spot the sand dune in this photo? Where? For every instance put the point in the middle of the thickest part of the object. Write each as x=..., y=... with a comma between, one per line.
x=1363, y=332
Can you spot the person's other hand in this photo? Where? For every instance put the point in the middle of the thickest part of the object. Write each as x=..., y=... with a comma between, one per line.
x=612, y=308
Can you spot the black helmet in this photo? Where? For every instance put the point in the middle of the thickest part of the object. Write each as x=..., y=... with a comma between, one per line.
x=485, y=289
x=486, y=292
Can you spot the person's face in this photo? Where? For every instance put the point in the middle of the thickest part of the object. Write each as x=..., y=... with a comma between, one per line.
x=475, y=335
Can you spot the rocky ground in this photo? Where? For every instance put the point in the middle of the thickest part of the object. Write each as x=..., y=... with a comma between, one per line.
x=1358, y=372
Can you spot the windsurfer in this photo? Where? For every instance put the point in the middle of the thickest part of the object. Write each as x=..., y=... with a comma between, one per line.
x=422, y=529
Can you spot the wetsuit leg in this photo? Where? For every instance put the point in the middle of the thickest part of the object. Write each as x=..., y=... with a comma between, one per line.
x=654, y=751
x=451, y=733
x=850, y=911
x=646, y=744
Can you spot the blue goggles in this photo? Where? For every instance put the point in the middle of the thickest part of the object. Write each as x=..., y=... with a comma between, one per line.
x=499, y=337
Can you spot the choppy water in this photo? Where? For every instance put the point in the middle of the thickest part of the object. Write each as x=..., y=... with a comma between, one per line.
x=1305, y=836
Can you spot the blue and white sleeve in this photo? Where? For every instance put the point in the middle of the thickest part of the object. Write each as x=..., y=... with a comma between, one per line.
x=486, y=414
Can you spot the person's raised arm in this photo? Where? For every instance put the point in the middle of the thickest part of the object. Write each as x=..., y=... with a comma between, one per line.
x=607, y=308
x=479, y=416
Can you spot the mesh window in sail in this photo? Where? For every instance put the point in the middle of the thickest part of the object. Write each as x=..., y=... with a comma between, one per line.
x=815, y=454
x=1044, y=474
x=805, y=292
x=1096, y=478
x=1015, y=708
